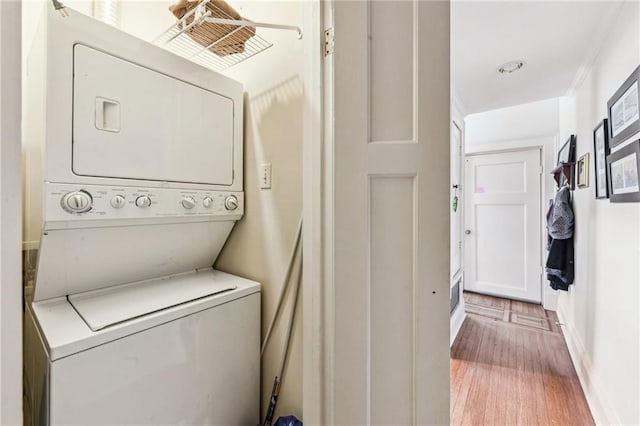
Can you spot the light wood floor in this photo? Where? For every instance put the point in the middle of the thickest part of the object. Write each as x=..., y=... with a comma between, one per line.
x=510, y=366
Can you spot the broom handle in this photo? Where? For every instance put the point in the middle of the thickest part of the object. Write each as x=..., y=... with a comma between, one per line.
x=272, y=402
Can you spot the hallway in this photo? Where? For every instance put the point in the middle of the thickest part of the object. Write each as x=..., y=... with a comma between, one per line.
x=510, y=366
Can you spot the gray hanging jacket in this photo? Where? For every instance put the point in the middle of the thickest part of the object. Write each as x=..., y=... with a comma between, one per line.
x=560, y=220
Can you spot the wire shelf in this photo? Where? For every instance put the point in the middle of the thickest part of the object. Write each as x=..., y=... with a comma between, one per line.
x=211, y=37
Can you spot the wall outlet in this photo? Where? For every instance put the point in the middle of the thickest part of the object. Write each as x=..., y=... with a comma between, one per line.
x=265, y=176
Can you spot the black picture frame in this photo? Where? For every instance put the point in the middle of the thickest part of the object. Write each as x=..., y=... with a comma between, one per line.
x=600, y=152
x=623, y=110
x=623, y=167
x=567, y=153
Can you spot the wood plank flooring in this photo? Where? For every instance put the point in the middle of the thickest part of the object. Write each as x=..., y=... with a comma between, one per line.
x=510, y=366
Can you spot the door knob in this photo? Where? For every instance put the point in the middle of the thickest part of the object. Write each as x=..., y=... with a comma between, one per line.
x=468, y=231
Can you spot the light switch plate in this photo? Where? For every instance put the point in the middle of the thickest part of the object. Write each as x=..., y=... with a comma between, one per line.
x=265, y=176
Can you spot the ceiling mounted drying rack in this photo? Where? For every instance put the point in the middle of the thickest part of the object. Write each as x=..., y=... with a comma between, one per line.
x=208, y=35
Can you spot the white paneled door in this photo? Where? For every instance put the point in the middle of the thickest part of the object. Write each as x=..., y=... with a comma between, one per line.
x=390, y=181
x=503, y=225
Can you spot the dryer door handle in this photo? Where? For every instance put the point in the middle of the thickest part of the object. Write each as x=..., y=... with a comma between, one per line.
x=107, y=116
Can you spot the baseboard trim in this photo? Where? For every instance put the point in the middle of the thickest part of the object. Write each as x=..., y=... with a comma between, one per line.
x=549, y=299
x=601, y=408
x=457, y=318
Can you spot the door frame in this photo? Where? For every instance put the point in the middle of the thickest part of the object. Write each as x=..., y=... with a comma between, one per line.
x=546, y=145
x=10, y=213
x=317, y=291
x=457, y=317
x=461, y=174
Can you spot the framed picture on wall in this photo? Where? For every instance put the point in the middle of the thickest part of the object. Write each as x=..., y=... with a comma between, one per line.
x=600, y=152
x=623, y=166
x=567, y=154
x=582, y=169
x=624, y=110
x=564, y=173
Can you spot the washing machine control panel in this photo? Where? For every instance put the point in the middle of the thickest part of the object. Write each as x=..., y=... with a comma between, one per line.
x=66, y=202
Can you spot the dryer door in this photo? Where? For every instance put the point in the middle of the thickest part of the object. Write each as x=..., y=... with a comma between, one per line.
x=131, y=122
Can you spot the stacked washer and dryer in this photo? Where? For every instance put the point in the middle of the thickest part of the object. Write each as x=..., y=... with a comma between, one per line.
x=134, y=188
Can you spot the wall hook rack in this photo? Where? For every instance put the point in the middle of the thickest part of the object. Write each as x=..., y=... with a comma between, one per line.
x=564, y=173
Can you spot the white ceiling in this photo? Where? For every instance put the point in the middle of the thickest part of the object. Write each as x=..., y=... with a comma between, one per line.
x=557, y=40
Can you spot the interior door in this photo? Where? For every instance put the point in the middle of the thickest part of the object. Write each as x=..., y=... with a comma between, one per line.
x=503, y=225
x=389, y=362
x=456, y=195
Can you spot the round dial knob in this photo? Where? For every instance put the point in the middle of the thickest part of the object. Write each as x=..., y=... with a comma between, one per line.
x=77, y=201
x=143, y=201
x=207, y=202
x=117, y=202
x=231, y=202
x=188, y=202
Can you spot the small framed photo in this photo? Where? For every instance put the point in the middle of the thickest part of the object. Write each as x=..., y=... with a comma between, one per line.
x=600, y=152
x=582, y=169
x=624, y=110
x=623, y=168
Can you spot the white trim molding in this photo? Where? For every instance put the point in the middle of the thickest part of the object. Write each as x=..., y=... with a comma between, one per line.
x=458, y=316
x=508, y=145
x=601, y=33
x=457, y=319
x=601, y=408
x=315, y=328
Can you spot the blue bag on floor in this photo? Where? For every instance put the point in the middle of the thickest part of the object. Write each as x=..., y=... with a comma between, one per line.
x=288, y=421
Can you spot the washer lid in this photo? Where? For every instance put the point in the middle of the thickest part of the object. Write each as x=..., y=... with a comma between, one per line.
x=110, y=306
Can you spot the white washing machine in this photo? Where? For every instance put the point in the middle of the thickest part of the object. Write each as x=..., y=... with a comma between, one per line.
x=134, y=182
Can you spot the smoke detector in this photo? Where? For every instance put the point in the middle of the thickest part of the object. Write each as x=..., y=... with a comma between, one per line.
x=511, y=66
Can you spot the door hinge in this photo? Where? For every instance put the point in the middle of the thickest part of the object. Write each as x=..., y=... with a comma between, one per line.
x=541, y=169
x=328, y=41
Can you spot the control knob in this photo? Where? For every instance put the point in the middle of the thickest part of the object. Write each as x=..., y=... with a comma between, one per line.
x=207, y=202
x=188, y=202
x=76, y=201
x=117, y=202
x=231, y=202
x=143, y=201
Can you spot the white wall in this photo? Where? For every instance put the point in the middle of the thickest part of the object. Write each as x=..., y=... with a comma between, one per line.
x=601, y=309
x=523, y=126
x=508, y=125
x=260, y=243
x=10, y=217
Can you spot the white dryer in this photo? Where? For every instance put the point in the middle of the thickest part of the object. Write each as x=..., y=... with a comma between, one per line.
x=134, y=182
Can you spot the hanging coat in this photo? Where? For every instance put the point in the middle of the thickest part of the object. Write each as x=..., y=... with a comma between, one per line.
x=560, y=226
